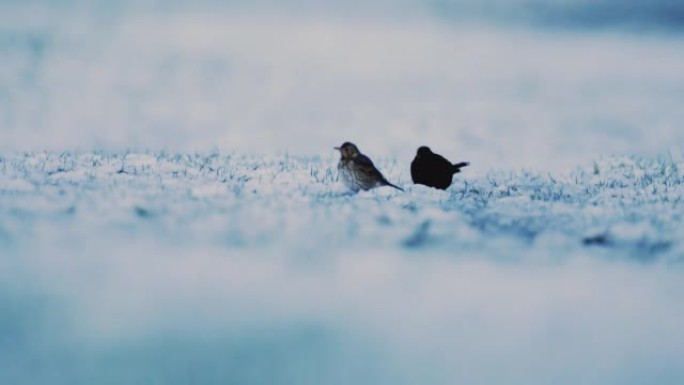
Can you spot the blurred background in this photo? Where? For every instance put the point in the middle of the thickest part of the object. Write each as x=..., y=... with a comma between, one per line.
x=505, y=84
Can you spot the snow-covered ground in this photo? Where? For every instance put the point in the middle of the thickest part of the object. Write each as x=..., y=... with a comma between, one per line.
x=223, y=268
x=170, y=211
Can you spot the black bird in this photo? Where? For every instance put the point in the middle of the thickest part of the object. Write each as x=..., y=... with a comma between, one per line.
x=433, y=169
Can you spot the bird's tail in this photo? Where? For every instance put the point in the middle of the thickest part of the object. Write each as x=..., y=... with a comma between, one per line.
x=391, y=185
x=458, y=166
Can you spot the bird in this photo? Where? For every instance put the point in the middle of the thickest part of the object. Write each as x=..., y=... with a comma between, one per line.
x=433, y=170
x=357, y=170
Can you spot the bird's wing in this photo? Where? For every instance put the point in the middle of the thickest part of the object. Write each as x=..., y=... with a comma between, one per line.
x=441, y=161
x=368, y=168
x=364, y=162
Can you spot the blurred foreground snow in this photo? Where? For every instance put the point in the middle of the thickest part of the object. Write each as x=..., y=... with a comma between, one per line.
x=224, y=268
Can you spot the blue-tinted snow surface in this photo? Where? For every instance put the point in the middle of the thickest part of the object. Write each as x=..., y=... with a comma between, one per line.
x=170, y=211
x=222, y=268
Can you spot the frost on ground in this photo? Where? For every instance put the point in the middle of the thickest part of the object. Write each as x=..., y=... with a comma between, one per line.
x=225, y=268
x=628, y=207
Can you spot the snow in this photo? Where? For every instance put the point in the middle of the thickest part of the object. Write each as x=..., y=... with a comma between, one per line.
x=248, y=269
x=170, y=210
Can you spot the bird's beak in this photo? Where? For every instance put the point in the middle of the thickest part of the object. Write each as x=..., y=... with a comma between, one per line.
x=337, y=148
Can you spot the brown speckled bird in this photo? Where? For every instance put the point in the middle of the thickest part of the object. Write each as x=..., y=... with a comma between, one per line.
x=357, y=171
